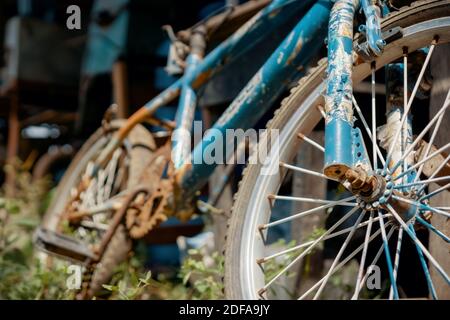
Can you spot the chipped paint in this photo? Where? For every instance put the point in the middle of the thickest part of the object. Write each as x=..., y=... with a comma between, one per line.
x=338, y=98
x=339, y=90
x=267, y=84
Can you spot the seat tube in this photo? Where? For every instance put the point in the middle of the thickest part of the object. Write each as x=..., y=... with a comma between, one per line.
x=339, y=91
x=181, y=138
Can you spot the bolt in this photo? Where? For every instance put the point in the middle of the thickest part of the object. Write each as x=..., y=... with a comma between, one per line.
x=368, y=206
x=389, y=185
x=381, y=43
x=383, y=200
x=375, y=204
x=387, y=193
x=388, y=178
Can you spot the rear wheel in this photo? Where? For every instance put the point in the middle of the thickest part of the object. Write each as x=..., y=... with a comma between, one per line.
x=122, y=172
x=255, y=268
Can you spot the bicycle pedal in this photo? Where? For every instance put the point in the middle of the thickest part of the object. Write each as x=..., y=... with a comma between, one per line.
x=62, y=246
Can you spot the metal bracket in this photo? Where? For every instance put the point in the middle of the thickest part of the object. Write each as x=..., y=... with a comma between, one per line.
x=360, y=155
x=363, y=49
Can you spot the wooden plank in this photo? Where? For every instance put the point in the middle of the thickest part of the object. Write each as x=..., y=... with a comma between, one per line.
x=440, y=70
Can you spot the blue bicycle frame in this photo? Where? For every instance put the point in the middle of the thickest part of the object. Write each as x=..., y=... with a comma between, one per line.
x=280, y=70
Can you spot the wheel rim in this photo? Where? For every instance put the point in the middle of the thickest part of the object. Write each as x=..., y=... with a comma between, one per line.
x=304, y=119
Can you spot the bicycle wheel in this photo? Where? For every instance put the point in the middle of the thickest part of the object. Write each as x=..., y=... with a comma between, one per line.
x=122, y=172
x=253, y=270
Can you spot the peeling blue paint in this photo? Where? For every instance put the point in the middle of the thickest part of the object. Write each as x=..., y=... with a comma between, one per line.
x=339, y=91
x=266, y=86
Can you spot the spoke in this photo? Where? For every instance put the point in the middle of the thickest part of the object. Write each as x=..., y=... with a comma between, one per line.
x=388, y=257
x=374, y=121
x=418, y=243
x=375, y=259
x=310, y=200
x=404, y=135
x=411, y=99
x=350, y=256
x=362, y=263
x=338, y=256
x=435, y=192
x=303, y=170
x=426, y=271
x=93, y=225
x=330, y=236
x=421, y=182
x=307, y=250
x=112, y=174
x=101, y=185
x=366, y=126
x=311, y=142
x=342, y=202
x=397, y=259
x=422, y=206
x=424, y=160
x=322, y=111
x=424, y=132
x=432, y=228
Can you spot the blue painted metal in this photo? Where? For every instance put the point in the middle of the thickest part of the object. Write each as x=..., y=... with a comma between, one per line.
x=248, y=35
x=253, y=31
x=181, y=138
x=410, y=231
x=372, y=27
x=339, y=91
x=425, y=207
x=388, y=258
x=360, y=155
x=424, y=264
x=266, y=86
x=432, y=228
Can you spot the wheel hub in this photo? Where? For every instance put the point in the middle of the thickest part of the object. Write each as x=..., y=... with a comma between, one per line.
x=374, y=192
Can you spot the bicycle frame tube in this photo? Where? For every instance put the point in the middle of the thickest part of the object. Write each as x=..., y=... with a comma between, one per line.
x=248, y=35
x=266, y=85
x=339, y=91
x=181, y=139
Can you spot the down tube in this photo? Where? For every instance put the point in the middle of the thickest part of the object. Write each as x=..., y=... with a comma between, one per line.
x=264, y=88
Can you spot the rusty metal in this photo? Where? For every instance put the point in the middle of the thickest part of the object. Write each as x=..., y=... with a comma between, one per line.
x=368, y=187
x=145, y=214
x=152, y=207
x=117, y=219
x=120, y=88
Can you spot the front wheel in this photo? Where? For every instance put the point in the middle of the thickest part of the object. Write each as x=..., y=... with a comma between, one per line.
x=338, y=240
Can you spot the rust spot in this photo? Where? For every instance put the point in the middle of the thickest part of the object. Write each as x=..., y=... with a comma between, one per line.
x=274, y=13
x=201, y=79
x=296, y=51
